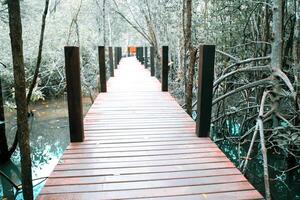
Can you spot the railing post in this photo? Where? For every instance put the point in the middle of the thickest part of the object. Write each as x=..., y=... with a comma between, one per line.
x=146, y=57
x=120, y=54
x=102, y=68
x=165, y=68
x=205, y=89
x=111, y=62
x=72, y=68
x=142, y=55
x=152, y=61
x=116, y=57
x=137, y=53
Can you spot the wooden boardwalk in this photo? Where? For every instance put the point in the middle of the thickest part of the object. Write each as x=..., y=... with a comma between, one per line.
x=140, y=144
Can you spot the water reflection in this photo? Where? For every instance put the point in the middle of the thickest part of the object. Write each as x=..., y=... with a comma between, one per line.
x=282, y=186
x=49, y=136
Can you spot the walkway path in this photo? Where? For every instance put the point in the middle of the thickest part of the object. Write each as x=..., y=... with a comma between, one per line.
x=139, y=143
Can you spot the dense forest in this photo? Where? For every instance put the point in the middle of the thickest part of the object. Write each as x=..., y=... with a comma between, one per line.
x=255, y=114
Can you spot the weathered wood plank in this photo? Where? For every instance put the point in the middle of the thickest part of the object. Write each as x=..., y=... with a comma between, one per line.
x=141, y=148
x=145, y=184
x=143, y=158
x=141, y=177
x=154, y=192
x=100, y=165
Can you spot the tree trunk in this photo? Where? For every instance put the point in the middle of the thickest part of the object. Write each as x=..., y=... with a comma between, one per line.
x=192, y=53
x=276, y=65
x=103, y=18
x=184, y=51
x=266, y=35
x=15, y=26
x=190, y=82
x=276, y=56
x=296, y=43
x=109, y=29
x=39, y=57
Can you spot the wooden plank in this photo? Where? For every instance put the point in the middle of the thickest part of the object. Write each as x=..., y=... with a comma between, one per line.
x=147, y=143
x=141, y=148
x=237, y=195
x=155, y=192
x=142, y=158
x=142, y=177
x=100, y=137
x=89, y=128
x=134, y=142
x=139, y=153
x=150, y=169
x=144, y=131
x=145, y=184
x=78, y=166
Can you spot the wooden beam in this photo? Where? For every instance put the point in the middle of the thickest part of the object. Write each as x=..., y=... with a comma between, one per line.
x=120, y=54
x=72, y=67
x=165, y=68
x=152, y=61
x=102, y=68
x=116, y=57
x=111, y=62
x=205, y=89
x=142, y=55
x=139, y=54
x=146, y=57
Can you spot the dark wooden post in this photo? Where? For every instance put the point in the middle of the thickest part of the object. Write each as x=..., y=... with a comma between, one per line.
x=102, y=68
x=152, y=61
x=116, y=57
x=139, y=54
x=146, y=57
x=142, y=55
x=205, y=89
x=120, y=54
x=72, y=67
x=128, y=51
x=165, y=68
x=111, y=62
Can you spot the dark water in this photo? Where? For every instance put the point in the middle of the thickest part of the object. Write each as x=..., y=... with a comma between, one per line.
x=49, y=136
x=283, y=186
